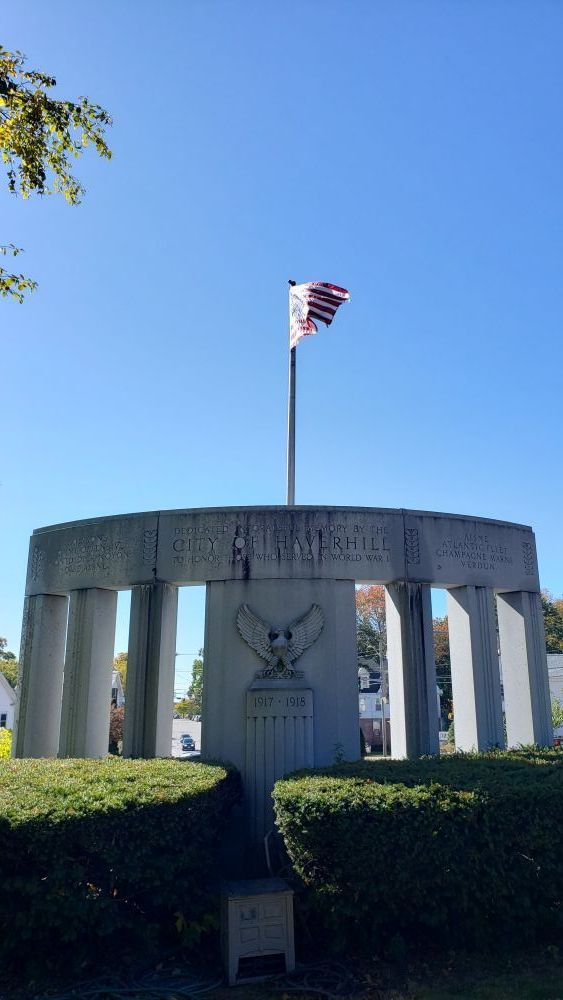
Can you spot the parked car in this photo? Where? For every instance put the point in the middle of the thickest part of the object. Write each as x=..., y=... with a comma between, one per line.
x=187, y=742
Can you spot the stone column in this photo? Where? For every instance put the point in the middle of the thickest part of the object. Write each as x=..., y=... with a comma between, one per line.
x=412, y=670
x=150, y=671
x=475, y=668
x=87, y=673
x=527, y=702
x=38, y=710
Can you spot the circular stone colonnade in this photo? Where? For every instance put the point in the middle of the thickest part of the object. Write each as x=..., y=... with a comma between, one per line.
x=280, y=685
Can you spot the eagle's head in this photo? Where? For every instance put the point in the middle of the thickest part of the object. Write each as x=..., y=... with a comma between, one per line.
x=279, y=640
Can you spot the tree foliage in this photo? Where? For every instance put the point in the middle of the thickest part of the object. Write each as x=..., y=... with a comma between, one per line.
x=553, y=622
x=370, y=621
x=9, y=665
x=556, y=713
x=10, y=669
x=442, y=659
x=186, y=708
x=5, y=654
x=40, y=136
x=120, y=664
x=195, y=690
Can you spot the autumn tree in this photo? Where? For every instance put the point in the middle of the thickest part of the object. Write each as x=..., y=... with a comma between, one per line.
x=116, y=722
x=370, y=621
x=442, y=660
x=40, y=135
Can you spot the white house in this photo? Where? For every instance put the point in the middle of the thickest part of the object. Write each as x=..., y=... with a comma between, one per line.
x=7, y=704
x=117, y=693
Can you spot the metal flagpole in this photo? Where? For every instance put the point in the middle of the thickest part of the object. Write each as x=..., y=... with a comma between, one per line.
x=291, y=416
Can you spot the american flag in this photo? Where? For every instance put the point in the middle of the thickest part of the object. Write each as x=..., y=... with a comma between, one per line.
x=314, y=300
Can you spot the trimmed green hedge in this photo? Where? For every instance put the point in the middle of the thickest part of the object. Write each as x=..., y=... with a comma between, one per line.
x=100, y=858
x=460, y=850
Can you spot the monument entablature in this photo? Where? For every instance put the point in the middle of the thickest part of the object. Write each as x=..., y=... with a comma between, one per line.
x=372, y=544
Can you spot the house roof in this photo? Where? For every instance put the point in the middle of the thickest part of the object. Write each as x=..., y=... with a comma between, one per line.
x=8, y=689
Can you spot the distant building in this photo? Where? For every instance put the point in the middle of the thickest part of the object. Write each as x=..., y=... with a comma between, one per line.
x=117, y=693
x=555, y=671
x=555, y=674
x=7, y=704
x=372, y=712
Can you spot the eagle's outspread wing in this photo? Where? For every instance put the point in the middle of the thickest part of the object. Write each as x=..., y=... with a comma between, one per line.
x=304, y=632
x=256, y=633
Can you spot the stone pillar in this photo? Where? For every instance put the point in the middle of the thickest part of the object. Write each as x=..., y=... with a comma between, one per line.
x=38, y=710
x=475, y=668
x=150, y=671
x=412, y=670
x=527, y=702
x=87, y=673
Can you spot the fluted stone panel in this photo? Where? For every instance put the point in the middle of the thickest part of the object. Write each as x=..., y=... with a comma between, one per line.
x=38, y=709
x=87, y=673
x=412, y=670
x=475, y=669
x=150, y=671
x=524, y=669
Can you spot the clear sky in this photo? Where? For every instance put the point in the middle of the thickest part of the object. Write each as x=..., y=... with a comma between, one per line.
x=410, y=150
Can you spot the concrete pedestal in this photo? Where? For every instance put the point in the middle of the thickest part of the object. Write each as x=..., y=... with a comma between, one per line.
x=38, y=710
x=150, y=671
x=475, y=669
x=412, y=671
x=87, y=673
x=524, y=669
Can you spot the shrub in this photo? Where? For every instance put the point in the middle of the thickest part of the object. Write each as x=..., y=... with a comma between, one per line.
x=464, y=849
x=101, y=858
x=116, y=723
x=5, y=743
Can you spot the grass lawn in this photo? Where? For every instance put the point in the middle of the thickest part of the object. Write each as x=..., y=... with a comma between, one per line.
x=533, y=978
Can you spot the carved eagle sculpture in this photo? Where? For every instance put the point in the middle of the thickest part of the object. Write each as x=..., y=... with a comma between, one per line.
x=280, y=647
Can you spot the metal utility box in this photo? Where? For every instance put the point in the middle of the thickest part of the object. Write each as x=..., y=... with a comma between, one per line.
x=257, y=929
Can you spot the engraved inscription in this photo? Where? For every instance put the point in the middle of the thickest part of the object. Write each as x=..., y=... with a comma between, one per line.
x=286, y=702
x=277, y=541
x=89, y=554
x=37, y=561
x=528, y=556
x=474, y=551
x=412, y=546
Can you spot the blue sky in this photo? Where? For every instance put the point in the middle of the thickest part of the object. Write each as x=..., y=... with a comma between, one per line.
x=410, y=151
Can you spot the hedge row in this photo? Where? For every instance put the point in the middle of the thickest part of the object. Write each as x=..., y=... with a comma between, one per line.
x=460, y=850
x=101, y=858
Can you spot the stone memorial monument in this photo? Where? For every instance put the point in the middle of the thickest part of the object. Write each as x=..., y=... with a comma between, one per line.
x=280, y=681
